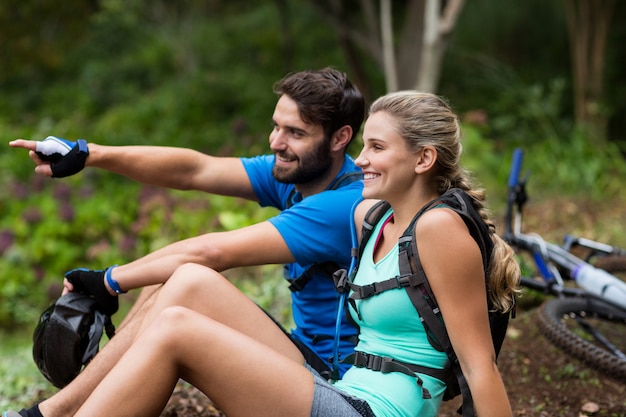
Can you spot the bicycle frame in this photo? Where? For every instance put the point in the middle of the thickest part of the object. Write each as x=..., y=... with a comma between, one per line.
x=595, y=248
x=589, y=294
x=550, y=258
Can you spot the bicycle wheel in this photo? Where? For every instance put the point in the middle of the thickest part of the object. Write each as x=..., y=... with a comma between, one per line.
x=559, y=321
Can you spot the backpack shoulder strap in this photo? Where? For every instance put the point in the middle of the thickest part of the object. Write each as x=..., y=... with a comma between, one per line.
x=345, y=179
x=343, y=281
x=327, y=268
x=421, y=294
x=372, y=217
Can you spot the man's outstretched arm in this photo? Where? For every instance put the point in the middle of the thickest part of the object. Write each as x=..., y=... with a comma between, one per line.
x=171, y=167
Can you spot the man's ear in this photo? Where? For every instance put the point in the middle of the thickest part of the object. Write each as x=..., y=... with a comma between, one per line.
x=341, y=138
x=426, y=158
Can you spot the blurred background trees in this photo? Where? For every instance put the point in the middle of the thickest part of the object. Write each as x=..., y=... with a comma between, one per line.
x=86, y=60
x=589, y=23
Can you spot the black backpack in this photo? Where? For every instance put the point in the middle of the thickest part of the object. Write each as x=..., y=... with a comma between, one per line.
x=413, y=279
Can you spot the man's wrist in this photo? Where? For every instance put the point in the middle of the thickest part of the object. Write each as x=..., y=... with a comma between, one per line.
x=112, y=285
x=95, y=154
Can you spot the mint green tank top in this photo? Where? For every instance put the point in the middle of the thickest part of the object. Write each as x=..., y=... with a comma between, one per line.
x=390, y=326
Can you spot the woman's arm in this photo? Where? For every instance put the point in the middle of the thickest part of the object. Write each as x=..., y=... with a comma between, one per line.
x=453, y=264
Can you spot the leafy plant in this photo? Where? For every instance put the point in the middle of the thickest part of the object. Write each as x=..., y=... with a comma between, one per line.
x=49, y=226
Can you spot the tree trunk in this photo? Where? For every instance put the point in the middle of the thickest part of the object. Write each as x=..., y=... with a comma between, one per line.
x=389, y=55
x=407, y=56
x=438, y=26
x=588, y=23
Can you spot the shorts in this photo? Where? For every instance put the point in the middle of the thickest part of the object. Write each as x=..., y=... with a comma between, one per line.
x=329, y=401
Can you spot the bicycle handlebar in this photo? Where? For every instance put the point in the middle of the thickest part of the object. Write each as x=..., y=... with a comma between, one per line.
x=516, y=166
x=535, y=244
x=515, y=192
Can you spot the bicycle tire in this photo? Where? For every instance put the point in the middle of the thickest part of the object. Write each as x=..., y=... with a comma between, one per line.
x=556, y=319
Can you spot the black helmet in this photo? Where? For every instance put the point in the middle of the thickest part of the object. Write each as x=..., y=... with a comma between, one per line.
x=68, y=337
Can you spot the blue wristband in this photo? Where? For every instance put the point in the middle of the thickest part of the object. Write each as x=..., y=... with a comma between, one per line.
x=113, y=283
x=82, y=147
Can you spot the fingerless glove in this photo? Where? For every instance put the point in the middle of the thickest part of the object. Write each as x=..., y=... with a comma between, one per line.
x=66, y=157
x=91, y=282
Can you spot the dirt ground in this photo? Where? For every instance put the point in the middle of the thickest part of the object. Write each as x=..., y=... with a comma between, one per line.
x=540, y=379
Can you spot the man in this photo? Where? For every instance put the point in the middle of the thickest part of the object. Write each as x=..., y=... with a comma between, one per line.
x=309, y=177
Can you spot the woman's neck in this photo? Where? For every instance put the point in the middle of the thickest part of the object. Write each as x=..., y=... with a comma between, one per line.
x=405, y=208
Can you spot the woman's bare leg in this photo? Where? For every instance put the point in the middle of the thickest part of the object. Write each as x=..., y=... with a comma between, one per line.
x=241, y=375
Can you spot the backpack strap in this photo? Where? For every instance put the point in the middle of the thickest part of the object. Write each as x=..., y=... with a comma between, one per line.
x=372, y=217
x=414, y=280
x=326, y=268
x=421, y=293
x=343, y=279
x=386, y=364
x=345, y=179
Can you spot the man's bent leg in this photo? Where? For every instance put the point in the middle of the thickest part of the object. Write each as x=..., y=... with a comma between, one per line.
x=143, y=302
x=195, y=287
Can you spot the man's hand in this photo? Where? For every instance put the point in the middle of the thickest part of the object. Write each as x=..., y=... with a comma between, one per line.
x=55, y=157
x=91, y=282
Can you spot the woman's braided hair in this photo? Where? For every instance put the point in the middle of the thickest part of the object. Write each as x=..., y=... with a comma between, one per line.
x=424, y=119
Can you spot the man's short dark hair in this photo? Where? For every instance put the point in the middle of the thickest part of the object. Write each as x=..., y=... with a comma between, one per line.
x=325, y=97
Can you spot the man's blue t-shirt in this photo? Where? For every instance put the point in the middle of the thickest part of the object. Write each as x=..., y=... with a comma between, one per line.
x=316, y=229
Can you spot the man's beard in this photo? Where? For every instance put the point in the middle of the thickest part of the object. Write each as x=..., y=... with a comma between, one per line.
x=313, y=166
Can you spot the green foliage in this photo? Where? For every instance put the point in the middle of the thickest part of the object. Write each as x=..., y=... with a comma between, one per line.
x=480, y=158
x=530, y=116
x=21, y=383
x=48, y=226
x=575, y=167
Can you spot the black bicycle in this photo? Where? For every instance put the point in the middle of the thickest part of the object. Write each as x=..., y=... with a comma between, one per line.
x=586, y=317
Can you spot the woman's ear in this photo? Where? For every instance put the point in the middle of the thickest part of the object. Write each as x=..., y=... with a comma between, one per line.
x=426, y=158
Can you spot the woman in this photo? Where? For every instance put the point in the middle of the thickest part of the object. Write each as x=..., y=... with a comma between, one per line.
x=410, y=156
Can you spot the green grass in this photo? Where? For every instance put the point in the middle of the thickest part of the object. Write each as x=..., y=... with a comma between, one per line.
x=21, y=383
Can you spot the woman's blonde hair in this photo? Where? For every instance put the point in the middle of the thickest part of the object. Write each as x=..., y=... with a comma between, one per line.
x=424, y=119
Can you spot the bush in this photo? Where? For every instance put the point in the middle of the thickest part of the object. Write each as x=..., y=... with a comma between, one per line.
x=93, y=220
